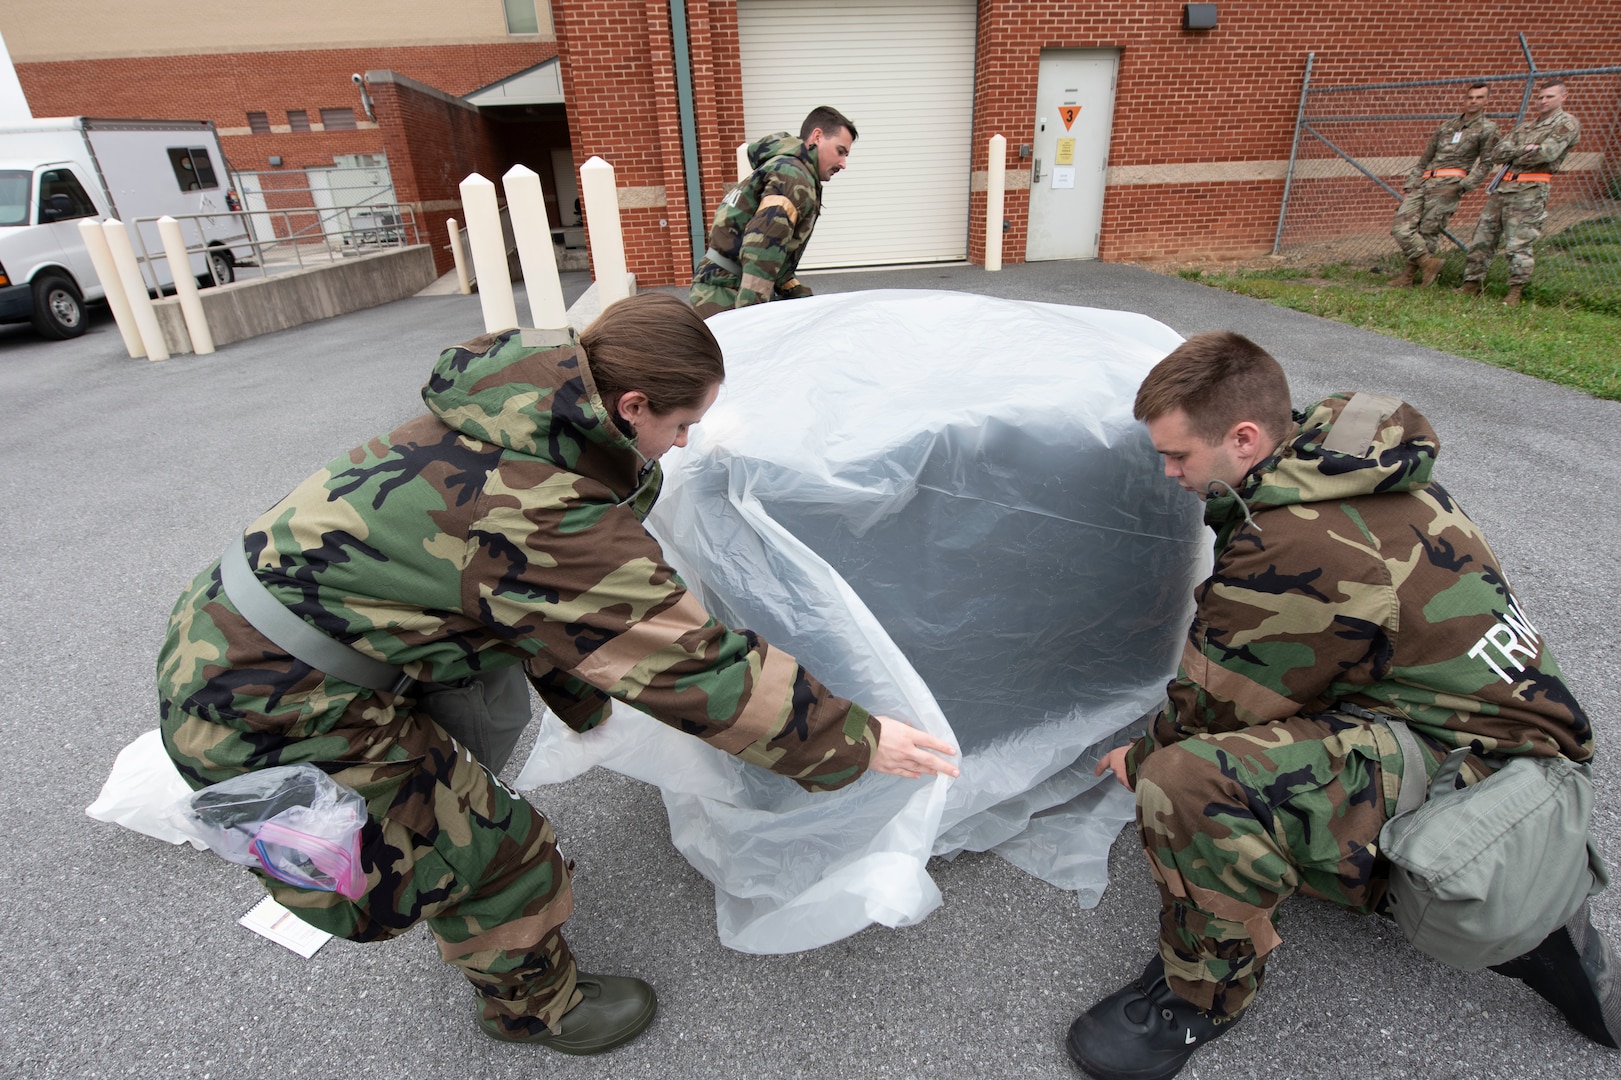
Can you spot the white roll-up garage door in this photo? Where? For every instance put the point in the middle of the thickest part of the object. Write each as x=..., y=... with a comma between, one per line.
x=903, y=72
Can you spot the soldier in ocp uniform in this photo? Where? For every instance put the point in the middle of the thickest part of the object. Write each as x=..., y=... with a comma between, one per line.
x=1452, y=165
x=1348, y=586
x=761, y=227
x=1529, y=158
x=499, y=534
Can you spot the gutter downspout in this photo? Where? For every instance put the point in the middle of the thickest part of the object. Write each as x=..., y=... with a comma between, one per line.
x=682, y=61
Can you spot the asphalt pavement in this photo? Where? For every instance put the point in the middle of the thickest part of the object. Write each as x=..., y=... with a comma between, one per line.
x=122, y=956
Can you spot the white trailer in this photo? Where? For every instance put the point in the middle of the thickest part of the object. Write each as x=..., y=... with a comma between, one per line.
x=57, y=172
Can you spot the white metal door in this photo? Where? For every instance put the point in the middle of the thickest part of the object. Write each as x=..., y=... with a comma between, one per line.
x=903, y=72
x=1074, y=114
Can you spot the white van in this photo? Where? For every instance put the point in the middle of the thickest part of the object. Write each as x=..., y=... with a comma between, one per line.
x=56, y=172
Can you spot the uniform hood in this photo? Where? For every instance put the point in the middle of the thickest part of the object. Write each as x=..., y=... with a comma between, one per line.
x=781, y=144
x=537, y=401
x=1346, y=445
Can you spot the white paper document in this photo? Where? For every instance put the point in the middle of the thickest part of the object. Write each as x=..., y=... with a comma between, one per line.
x=269, y=919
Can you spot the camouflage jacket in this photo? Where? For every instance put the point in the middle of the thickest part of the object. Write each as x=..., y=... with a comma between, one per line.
x=1553, y=136
x=505, y=527
x=1459, y=143
x=1343, y=573
x=765, y=222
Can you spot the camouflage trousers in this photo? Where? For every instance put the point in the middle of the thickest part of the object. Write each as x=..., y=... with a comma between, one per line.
x=448, y=844
x=1234, y=824
x=1515, y=218
x=1423, y=216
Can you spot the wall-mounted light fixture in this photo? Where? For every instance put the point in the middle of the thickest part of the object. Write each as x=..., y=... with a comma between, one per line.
x=275, y=160
x=1198, y=16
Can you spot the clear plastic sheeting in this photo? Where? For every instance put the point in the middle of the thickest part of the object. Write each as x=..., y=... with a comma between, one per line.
x=941, y=505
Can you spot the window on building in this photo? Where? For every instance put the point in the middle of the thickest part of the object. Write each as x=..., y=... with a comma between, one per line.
x=62, y=197
x=298, y=119
x=259, y=123
x=521, y=17
x=338, y=119
x=193, y=171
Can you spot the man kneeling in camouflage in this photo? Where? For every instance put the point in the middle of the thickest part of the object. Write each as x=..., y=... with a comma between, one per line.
x=1347, y=586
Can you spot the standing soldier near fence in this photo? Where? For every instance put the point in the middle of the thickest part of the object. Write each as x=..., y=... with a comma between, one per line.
x=1529, y=157
x=1452, y=165
x=762, y=226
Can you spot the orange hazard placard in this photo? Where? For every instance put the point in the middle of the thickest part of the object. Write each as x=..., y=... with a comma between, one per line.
x=1069, y=113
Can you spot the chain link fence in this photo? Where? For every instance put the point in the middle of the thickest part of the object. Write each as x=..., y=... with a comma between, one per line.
x=1355, y=144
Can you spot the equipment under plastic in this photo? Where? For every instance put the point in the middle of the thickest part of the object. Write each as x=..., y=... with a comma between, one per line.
x=941, y=505
x=293, y=822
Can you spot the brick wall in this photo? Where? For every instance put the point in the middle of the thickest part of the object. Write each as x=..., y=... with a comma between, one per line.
x=225, y=87
x=433, y=144
x=1230, y=95
x=1182, y=99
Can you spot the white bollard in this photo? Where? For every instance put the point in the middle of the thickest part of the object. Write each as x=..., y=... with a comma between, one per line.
x=995, y=202
x=534, y=234
x=489, y=254
x=743, y=169
x=185, y=286
x=601, y=199
x=462, y=284
x=101, y=257
x=129, y=275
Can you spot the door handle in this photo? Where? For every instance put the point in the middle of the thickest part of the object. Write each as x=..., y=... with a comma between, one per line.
x=1035, y=171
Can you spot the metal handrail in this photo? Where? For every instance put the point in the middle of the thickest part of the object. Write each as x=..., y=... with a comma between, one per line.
x=403, y=229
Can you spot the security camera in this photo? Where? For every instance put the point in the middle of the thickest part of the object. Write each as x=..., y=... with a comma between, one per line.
x=356, y=79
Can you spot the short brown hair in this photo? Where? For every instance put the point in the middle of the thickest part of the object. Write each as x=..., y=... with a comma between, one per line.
x=830, y=120
x=1218, y=379
x=655, y=343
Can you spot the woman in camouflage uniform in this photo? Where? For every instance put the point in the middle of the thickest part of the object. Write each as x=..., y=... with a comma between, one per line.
x=502, y=528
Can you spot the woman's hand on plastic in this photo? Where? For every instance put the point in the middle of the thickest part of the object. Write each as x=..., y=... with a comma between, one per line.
x=1115, y=761
x=903, y=750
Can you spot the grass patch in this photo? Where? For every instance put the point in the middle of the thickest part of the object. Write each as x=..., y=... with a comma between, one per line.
x=1568, y=331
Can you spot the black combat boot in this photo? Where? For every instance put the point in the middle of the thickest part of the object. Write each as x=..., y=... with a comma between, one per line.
x=1143, y=1031
x=612, y=1010
x=1577, y=972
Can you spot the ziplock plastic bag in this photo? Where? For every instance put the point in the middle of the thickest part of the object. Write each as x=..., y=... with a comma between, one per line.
x=294, y=822
x=941, y=505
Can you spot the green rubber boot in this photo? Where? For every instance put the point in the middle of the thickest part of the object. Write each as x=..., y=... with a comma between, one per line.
x=612, y=1011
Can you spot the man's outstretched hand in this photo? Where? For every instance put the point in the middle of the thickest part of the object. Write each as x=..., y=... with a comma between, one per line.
x=903, y=750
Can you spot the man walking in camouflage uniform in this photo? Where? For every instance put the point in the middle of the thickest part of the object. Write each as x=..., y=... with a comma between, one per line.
x=761, y=227
x=1451, y=166
x=1347, y=586
x=1530, y=157
x=499, y=533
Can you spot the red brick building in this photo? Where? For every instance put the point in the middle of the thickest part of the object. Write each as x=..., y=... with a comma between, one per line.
x=1129, y=136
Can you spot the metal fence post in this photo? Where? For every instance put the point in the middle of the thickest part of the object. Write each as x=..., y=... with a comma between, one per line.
x=1294, y=151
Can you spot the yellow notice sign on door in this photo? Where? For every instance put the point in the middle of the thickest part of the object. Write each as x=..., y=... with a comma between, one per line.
x=1066, y=152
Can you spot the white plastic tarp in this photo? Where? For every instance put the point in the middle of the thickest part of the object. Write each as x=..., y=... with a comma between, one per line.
x=941, y=505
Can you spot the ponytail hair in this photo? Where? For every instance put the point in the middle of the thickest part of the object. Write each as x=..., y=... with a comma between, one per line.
x=655, y=343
